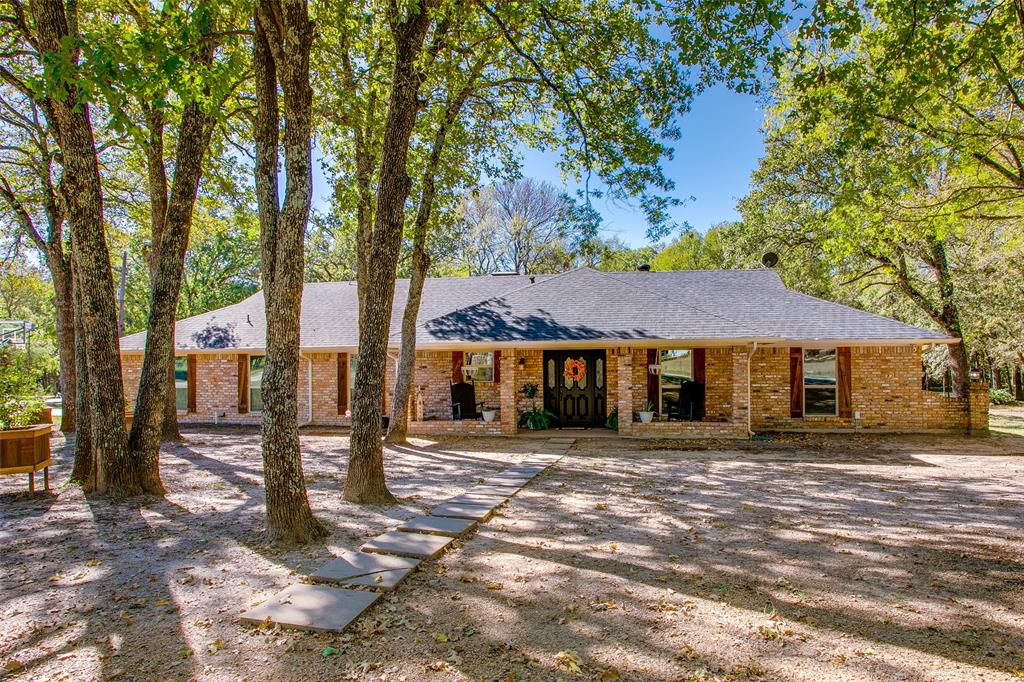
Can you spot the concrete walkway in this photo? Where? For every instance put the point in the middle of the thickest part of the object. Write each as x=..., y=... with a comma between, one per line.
x=340, y=590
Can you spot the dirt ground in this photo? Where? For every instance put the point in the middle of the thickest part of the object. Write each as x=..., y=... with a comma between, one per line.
x=809, y=558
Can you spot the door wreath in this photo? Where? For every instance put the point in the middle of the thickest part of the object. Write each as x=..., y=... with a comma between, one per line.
x=575, y=369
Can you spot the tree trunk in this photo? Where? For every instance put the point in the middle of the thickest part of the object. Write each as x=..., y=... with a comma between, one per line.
x=64, y=304
x=84, y=468
x=366, y=481
x=156, y=175
x=399, y=422
x=83, y=196
x=949, y=313
x=281, y=46
x=156, y=393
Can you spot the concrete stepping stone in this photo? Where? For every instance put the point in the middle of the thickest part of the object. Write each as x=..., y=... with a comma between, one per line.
x=562, y=440
x=546, y=458
x=416, y=545
x=372, y=570
x=462, y=510
x=312, y=607
x=481, y=500
x=486, y=495
x=437, y=525
x=526, y=470
x=512, y=477
x=516, y=484
x=505, y=491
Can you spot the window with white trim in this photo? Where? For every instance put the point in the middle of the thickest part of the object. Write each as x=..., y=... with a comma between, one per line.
x=181, y=383
x=256, y=365
x=478, y=366
x=820, y=388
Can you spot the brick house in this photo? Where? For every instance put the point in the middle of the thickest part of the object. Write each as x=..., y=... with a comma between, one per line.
x=718, y=354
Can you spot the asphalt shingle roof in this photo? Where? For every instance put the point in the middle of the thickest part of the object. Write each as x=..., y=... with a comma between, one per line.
x=581, y=305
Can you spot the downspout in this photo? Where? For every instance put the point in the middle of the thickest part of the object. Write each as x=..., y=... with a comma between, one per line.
x=309, y=389
x=750, y=406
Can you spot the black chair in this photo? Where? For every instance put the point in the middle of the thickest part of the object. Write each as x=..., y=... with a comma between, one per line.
x=464, y=402
x=691, y=402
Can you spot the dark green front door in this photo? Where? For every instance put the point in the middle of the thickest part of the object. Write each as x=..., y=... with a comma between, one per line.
x=575, y=387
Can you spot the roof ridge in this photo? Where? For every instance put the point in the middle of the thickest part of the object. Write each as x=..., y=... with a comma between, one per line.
x=742, y=325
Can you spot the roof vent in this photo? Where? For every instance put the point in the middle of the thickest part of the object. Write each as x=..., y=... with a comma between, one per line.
x=504, y=274
x=644, y=267
x=533, y=280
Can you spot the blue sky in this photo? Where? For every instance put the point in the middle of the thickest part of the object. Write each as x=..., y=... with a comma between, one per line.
x=720, y=146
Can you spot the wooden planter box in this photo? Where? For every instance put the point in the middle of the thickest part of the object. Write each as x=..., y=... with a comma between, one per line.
x=26, y=451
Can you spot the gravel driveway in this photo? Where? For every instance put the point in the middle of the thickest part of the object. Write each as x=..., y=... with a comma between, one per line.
x=848, y=558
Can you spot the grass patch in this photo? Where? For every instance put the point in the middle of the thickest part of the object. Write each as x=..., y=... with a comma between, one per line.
x=1007, y=421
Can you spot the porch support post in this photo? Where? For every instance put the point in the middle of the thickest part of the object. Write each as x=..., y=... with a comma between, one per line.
x=741, y=359
x=509, y=418
x=624, y=390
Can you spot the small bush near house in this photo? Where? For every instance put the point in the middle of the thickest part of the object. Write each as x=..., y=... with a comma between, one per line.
x=1000, y=396
x=612, y=422
x=536, y=419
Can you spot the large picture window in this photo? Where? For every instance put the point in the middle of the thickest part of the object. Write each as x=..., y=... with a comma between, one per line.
x=256, y=365
x=181, y=383
x=676, y=368
x=820, y=382
x=478, y=366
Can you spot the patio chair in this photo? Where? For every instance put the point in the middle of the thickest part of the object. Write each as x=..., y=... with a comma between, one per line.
x=691, y=402
x=464, y=402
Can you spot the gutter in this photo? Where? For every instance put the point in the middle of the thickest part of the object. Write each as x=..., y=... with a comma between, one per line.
x=750, y=404
x=309, y=389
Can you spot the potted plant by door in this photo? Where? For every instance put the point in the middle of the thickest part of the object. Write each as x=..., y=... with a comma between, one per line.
x=489, y=413
x=536, y=418
x=647, y=414
x=24, y=444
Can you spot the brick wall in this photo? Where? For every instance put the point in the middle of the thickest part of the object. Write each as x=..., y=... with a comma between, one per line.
x=531, y=372
x=432, y=395
x=217, y=388
x=638, y=380
x=885, y=389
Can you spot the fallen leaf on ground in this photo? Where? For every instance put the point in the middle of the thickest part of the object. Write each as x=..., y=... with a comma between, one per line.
x=570, y=660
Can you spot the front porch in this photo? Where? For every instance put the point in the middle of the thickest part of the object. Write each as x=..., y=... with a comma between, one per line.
x=588, y=390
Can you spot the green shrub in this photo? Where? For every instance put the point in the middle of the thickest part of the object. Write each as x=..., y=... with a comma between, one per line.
x=19, y=406
x=612, y=422
x=536, y=419
x=1000, y=396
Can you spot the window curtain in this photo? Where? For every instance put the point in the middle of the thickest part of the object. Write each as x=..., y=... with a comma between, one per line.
x=844, y=382
x=342, y=383
x=457, y=360
x=796, y=382
x=191, y=384
x=243, y=384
